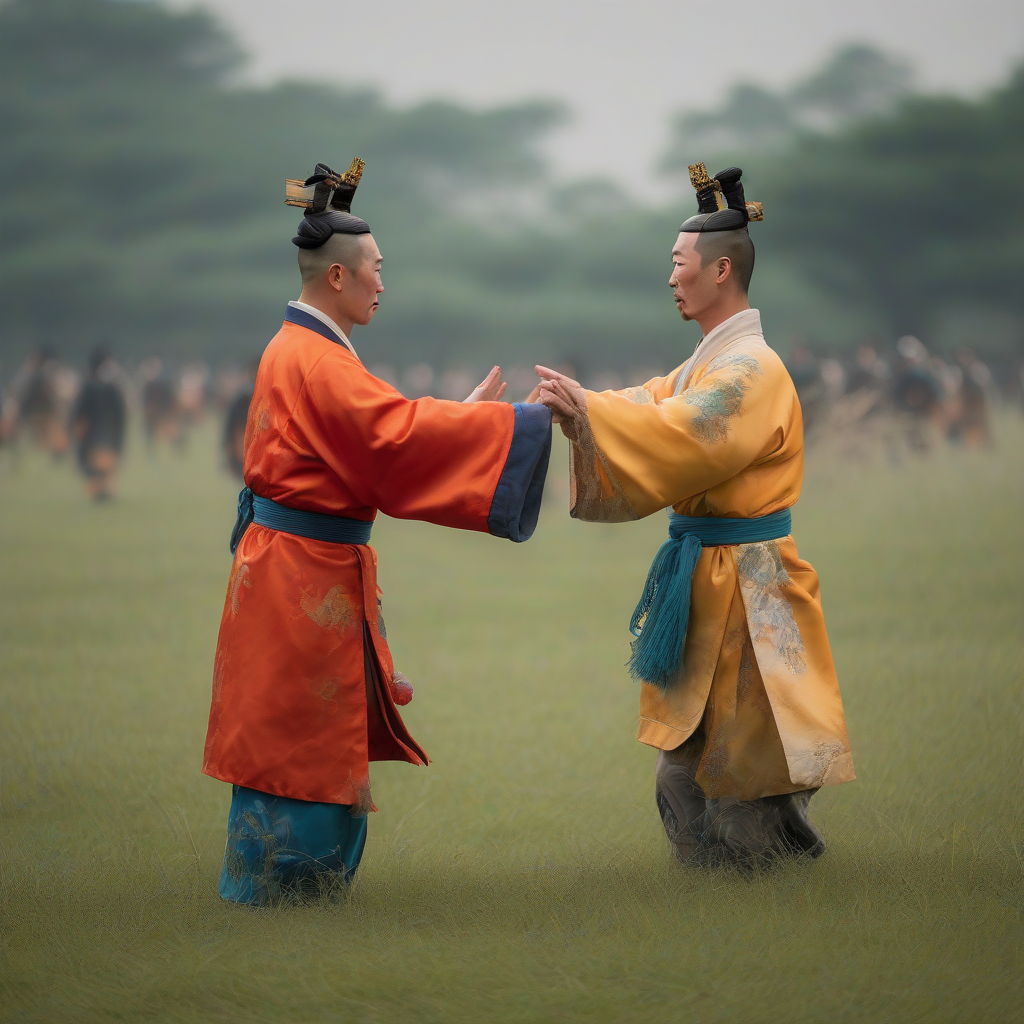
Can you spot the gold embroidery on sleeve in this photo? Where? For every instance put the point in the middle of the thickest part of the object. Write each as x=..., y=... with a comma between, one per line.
x=595, y=496
x=721, y=399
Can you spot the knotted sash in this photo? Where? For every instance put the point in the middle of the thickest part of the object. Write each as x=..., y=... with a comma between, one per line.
x=664, y=608
x=314, y=525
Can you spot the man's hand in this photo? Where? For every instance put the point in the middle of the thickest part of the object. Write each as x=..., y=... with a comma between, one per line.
x=490, y=389
x=564, y=396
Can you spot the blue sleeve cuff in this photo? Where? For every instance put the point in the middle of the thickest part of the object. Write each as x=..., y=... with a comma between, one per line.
x=517, y=497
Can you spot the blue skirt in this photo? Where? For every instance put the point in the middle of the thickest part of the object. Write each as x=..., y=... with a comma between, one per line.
x=280, y=849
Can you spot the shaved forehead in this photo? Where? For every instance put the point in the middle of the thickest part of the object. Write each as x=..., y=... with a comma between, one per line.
x=350, y=251
x=710, y=245
x=685, y=243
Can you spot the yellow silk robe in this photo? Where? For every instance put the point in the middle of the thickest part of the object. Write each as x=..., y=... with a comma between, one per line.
x=723, y=436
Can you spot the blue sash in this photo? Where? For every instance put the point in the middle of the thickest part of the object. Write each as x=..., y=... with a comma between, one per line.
x=314, y=525
x=665, y=604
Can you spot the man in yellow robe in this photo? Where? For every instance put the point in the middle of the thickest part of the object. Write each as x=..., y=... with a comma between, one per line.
x=738, y=688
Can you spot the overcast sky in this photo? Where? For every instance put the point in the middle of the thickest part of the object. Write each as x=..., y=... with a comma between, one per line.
x=622, y=66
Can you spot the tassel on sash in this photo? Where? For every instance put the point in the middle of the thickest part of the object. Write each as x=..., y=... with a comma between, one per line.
x=662, y=615
x=664, y=609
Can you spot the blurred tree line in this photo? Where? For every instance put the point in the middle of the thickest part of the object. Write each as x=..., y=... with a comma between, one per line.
x=141, y=205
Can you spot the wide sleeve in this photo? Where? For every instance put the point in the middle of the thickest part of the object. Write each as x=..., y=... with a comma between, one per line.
x=633, y=457
x=477, y=466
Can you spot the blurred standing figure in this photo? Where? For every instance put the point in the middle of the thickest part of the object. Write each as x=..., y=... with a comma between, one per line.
x=738, y=689
x=969, y=421
x=804, y=369
x=192, y=394
x=917, y=392
x=38, y=409
x=235, y=420
x=869, y=371
x=8, y=417
x=159, y=404
x=97, y=426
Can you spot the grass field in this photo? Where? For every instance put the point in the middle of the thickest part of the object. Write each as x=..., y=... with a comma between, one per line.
x=524, y=876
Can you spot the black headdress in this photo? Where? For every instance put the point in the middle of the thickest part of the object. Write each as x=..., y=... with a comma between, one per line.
x=720, y=201
x=327, y=199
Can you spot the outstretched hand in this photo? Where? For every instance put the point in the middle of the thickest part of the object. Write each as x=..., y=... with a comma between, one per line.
x=564, y=396
x=490, y=389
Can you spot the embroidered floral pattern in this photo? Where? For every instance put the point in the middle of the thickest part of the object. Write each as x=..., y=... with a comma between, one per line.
x=770, y=618
x=219, y=668
x=261, y=417
x=326, y=688
x=253, y=844
x=256, y=430
x=716, y=756
x=811, y=766
x=638, y=395
x=239, y=578
x=745, y=676
x=720, y=399
x=595, y=497
x=825, y=756
x=334, y=611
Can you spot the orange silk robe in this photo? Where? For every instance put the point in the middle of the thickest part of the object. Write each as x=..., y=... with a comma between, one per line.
x=303, y=678
x=723, y=436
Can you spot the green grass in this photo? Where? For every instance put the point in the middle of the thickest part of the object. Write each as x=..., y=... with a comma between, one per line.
x=524, y=876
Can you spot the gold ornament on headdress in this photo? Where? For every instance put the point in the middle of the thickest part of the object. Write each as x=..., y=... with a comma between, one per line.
x=700, y=180
x=298, y=193
x=354, y=172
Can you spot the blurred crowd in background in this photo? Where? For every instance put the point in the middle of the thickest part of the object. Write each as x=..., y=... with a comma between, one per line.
x=49, y=405
x=889, y=210
x=905, y=401
x=889, y=213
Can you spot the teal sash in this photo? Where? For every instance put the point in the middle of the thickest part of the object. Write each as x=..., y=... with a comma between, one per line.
x=664, y=608
x=315, y=525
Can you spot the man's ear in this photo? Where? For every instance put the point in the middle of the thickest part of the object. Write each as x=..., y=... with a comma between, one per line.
x=724, y=269
x=336, y=276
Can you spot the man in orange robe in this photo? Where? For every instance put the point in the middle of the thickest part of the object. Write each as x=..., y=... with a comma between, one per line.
x=738, y=689
x=304, y=689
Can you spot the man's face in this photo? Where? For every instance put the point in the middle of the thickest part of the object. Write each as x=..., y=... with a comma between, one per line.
x=361, y=286
x=694, y=287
